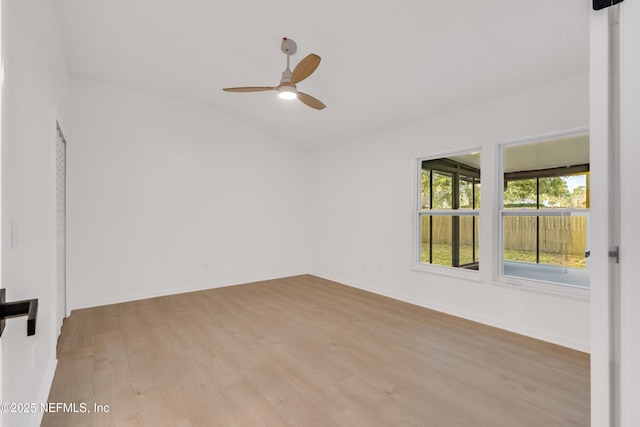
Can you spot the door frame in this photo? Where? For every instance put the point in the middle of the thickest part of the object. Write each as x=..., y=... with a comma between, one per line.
x=60, y=304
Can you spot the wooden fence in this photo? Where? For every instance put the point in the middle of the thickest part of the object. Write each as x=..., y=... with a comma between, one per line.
x=558, y=234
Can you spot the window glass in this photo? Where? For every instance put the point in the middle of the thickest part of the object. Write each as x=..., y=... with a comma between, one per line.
x=436, y=240
x=548, y=182
x=425, y=240
x=442, y=186
x=476, y=193
x=450, y=187
x=569, y=191
x=520, y=238
x=563, y=240
x=469, y=248
x=425, y=193
x=466, y=193
x=520, y=193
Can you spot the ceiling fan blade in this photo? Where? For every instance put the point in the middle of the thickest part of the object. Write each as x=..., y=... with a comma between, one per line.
x=311, y=101
x=249, y=89
x=304, y=68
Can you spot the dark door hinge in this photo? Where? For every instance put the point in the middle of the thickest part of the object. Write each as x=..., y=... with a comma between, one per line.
x=615, y=254
x=603, y=4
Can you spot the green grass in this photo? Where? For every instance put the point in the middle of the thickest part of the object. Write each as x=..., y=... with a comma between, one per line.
x=442, y=256
x=568, y=260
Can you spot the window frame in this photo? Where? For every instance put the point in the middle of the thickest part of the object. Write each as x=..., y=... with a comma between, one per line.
x=419, y=212
x=521, y=282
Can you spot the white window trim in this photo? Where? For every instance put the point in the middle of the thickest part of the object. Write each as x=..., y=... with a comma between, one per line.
x=517, y=282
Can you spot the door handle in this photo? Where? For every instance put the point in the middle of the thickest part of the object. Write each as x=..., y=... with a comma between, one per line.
x=27, y=308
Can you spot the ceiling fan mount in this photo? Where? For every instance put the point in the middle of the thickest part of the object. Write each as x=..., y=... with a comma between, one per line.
x=288, y=46
x=287, y=89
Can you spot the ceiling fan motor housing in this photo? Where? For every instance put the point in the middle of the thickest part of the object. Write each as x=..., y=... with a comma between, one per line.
x=287, y=92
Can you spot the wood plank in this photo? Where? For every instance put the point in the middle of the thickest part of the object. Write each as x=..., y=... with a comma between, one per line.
x=307, y=351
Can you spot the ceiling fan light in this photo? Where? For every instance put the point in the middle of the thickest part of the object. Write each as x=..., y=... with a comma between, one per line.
x=288, y=92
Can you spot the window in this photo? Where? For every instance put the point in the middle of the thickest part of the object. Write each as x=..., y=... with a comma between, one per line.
x=448, y=211
x=545, y=210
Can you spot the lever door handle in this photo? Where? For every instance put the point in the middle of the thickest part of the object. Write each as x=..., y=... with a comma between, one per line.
x=27, y=308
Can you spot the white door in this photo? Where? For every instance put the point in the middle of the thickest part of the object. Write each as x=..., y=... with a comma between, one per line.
x=1, y=102
x=1, y=383
x=61, y=229
x=629, y=248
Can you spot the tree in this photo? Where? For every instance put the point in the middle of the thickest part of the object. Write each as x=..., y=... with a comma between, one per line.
x=442, y=191
x=520, y=193
x=579, y=197
x=552, y=192
x=442, y=196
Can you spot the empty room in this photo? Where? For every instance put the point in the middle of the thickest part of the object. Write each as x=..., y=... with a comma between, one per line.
x=308, y=213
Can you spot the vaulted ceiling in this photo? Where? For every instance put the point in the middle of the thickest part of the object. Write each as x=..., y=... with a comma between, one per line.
x=384, y=62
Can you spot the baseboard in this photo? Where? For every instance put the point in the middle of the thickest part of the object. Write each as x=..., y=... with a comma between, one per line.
x=489, y=321
x=175, y=291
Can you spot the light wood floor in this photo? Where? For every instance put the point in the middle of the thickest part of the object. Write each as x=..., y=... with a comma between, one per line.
x=304, y=351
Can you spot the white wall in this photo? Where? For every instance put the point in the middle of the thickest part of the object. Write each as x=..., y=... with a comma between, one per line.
x=35, y=95
x=362, y=212
x=166, y=196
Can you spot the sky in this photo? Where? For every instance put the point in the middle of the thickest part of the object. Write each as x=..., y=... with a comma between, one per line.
x=575, y=181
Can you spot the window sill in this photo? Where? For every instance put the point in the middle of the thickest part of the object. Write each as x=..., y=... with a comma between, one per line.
x=472, y=275
x=544, y=287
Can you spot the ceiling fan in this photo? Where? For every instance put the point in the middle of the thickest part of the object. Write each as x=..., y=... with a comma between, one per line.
x=287, y=88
